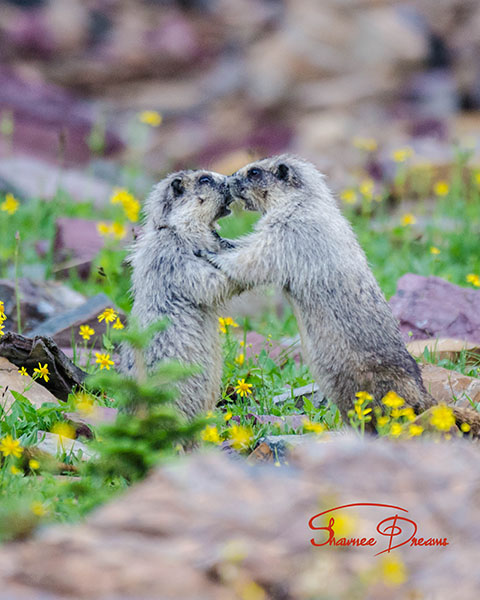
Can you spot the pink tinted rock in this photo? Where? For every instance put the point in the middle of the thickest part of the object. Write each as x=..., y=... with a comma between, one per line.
x=432, y=307
x=77, y=242
x=49, y=122
x=255, y=343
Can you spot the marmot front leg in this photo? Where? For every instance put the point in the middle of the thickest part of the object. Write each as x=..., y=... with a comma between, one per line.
x=245, y=264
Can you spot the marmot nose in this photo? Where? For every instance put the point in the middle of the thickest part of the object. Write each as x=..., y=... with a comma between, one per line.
x=237, y=184
x=227, y=194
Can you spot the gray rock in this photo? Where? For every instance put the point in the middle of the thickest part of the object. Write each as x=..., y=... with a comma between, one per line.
x=60, y=326
x=28, y=353
x=310, y=391
x=39, y=300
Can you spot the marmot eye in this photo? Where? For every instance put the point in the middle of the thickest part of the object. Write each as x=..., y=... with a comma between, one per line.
x=177, y=187
x=254, y=173
x=205, y=179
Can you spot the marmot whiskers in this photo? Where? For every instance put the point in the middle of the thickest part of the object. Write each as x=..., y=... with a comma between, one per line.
x=171, y=280
x=302, y=243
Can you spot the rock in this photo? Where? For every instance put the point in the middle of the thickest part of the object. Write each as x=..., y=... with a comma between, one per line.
x=23, y=384
x=77, y=243
x=38, y=301
x=445, y=348
x=432, y=307
x=255, y=343
x=450, y=386
x=60, y=327
x=49, y=122
x=284, y=422
x=35, y=178
x=205, y=527
x=256, y=302
x=53, y=444
x=310, y=391
x=28, y=353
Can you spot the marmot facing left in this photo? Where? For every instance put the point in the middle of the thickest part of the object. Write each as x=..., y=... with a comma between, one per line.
x=170, y=280
x=302, y=243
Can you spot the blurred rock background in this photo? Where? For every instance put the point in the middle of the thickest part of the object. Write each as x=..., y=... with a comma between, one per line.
x=237, y=78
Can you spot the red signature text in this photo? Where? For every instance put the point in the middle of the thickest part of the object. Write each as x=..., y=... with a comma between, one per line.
x=394, y=531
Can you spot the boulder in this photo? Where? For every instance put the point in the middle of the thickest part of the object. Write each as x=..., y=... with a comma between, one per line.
x=206, y=527
x=430, y=307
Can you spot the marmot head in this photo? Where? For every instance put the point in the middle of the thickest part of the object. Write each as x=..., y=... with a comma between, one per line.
x=271, y=182
x=189, y=200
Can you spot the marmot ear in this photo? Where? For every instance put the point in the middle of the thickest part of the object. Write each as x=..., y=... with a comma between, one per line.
x=283, y=171
x=177, y=187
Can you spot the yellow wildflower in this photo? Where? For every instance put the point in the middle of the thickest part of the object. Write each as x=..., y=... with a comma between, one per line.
x=33, y=464
x=242, y=388
x=63, y=430
x=366, y=188
x=3, y=316
x=150, y=117
x=38, y=509
x=434, y=250
x=367, y=144
x=84, y=403
x=349, y=196
x=130, y=204
x=223, y=322
x=119, y=230
x=312, y=426
x=408, y=219
x=363, y=396
x=393, y=400
x=251, y=591
x=393, y=571
x=402, y=154
x=15, y=470
x=104, y=361
x=86, y=332
x=42, y=371
x=408, y=412
x=118, y=324
x=441, y=188
x=9, y=446
x=442, y=417
x=415, y=430
x=210, y=434
x=383, y=420
x=241, y=436
x=240, y=359
x=345, y=523
x=473, y=279
x=477, y=178
x=108, y=314
x=104, y=228
x=23, y=371
x=10, y=205
x=2, y=326
x=228, y=415
x=362, y=412
x=465, y=427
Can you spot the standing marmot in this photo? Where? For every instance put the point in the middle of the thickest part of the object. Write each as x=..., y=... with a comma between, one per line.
x=170, y=280
x=302, y=243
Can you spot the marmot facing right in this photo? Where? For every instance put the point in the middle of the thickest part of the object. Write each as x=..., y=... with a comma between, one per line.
x=303, y=244
x=170, y=280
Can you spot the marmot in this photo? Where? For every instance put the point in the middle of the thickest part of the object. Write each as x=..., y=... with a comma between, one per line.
x=302, y=243
x=169, y=279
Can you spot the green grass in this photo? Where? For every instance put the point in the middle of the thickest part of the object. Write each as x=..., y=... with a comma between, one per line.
x=449, y=223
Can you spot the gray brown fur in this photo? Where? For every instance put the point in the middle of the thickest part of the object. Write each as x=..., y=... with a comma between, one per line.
x=171, y=280
x=302, y=243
